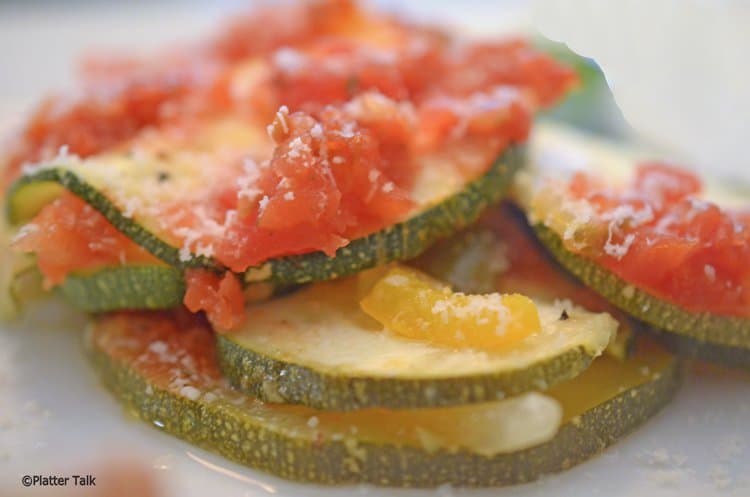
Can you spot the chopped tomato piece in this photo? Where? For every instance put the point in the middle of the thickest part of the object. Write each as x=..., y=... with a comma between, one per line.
x=69, y=235
x=220, y=296
x=327, y=183
x=487, y=122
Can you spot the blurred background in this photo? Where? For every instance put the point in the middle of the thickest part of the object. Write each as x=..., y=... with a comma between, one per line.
x=43, y=39
x=677, y=67
x=47, y=38
x=675, y=78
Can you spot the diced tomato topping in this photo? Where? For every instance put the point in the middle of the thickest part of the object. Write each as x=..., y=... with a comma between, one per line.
x=425, y=67
x=663, y=185
x=333, y=73
x=483, y=122
x=663, y=238
x=328, y=182
x=108, y=118
x=268, y=28
x=510, y=63
x=220, y=296
x=69, y=235
x=363, y=97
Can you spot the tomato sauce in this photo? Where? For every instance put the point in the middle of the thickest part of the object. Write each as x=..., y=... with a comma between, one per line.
x=659, y=235
x=163, y=346
x=220, y=296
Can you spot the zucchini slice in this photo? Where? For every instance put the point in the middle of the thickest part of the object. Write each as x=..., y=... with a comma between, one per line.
x=442, y=216
x=501, y=254
x=110, y=288
x=19, y=279
x=19, y=283
x=162, y=368
x=717, y=338
x=447, y=203
x=316, y=347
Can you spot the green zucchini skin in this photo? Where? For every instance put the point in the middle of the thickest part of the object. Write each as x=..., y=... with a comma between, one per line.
x=401, y=241
x=721, y=339
x=226, y=429
x=125, y=287
x=274, y=380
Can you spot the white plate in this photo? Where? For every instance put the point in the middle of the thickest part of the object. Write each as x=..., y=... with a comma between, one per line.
x=55, y=417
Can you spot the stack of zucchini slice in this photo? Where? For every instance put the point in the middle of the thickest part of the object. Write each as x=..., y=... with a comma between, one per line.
x=446, y=204
x=168, y=375
x=318, y=387
x=314, y=389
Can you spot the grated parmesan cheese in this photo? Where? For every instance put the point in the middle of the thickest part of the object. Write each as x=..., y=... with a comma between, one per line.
x=347, y=130
x=710, y=272
x=63, y=156
x=297, y=147
x=617, y=218
x=204, y=250
x=263, y=203
x=230, y=217
x=158, y=347
x=480, y=307
x=246, y=182
x=190, y=236
x=184, y=253
x=190, y=392
x=317, y=131
x=618, y=250
x=289, y=60
x=26, y=229
x=281, y=114
x=130, y=206
x=582, y=213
